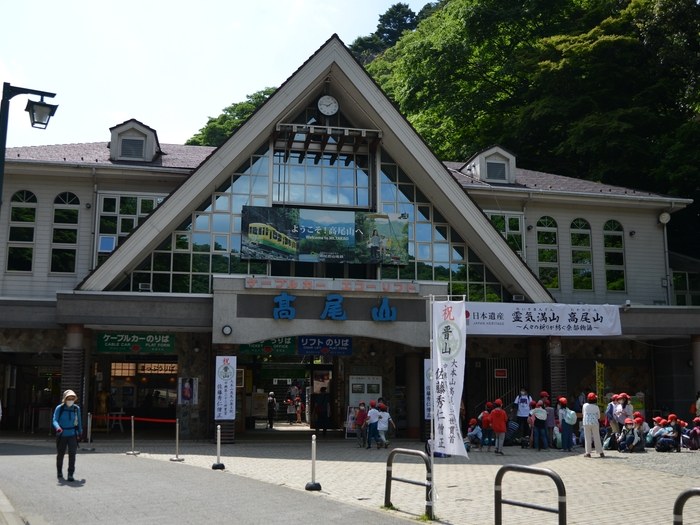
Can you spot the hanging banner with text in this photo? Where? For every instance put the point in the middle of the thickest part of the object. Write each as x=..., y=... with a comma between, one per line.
x=448, y=359
x=225, y=388
x=573, y=320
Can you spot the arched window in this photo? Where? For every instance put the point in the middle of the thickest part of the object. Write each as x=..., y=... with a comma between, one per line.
x=614, y=244
x=581, y=255
x=20, y=249
x=548, y=252
x=64, y=237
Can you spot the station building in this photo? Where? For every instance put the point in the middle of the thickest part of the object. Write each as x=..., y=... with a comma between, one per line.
x=309, y=246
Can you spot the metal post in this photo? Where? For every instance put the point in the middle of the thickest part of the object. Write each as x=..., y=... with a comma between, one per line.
x=177, y=442
x=680, y=503
x=218, y=465
x=428, y=484
x=313, y=485
x=133, y=452
x=89, y=448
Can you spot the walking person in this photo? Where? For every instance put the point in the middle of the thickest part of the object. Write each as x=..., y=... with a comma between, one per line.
x=271, y=409
x=371, y=423
x=567, y=419
x=67, y=422
x=499, y=424
x=591, y=425
x=360, y=428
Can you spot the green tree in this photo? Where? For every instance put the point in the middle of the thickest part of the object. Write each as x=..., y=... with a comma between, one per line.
x=219, y=129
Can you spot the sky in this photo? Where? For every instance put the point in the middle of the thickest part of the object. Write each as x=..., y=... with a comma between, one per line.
x=170, y=64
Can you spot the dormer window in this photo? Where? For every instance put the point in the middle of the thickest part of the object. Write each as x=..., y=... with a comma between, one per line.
x=132, y=148
x=496, y=171
x=133, y=141
x=493, y=165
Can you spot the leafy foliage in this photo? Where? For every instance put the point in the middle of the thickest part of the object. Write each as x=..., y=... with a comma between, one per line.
x=219, y=129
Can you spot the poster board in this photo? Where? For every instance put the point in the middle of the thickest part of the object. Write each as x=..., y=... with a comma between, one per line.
x=360, y=388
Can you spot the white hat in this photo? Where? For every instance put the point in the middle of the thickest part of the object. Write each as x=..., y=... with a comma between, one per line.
x=68, y=393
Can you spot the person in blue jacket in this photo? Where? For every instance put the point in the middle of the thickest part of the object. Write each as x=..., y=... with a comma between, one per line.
x=68, y=423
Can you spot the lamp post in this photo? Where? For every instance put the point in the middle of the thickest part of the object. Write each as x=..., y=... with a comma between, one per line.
x=39, y=114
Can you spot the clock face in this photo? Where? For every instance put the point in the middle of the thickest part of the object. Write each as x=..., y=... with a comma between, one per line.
x=328, y=105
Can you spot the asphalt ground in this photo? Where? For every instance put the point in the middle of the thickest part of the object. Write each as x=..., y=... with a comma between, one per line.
x=264, y=482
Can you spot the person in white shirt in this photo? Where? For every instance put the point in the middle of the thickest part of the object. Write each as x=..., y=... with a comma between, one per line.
x=383, y=425
x=591, y=425
x=522, y=404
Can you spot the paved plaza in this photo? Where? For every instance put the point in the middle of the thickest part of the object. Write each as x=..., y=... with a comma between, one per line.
x=637, y=488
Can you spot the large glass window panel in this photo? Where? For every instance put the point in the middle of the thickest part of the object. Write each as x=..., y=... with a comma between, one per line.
x=108, y=224
x=222, y=203
x=440, y=233
x=221, y=223
x=220, y=243
x=547, y=255
x=581, y=256
x=22, y=214
x=219, y=263
x=182, y=241
x=614, y=259
x=62, y=260
x=201, y=242
x=441, y=252
x=546, y=237
x=22, y=233
x=549, y=277
x=64, y=236
x=582, y=278
x=19, y=259
x=161, y=262
x=201, y=222
x=424, y=252
x=127, y=205
x=181, y=262
x=241, y=185
x=181, y=283
x=109, y=204
x=615, y=280
x=161, y=282
x=66, y=216
x=200, y=263
x=424, y=232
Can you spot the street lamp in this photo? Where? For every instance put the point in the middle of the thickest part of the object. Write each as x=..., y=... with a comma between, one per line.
x=39, y=115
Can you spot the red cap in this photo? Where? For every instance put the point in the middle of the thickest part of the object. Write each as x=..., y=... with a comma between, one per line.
x=696, y=420
x=683, y=423
x=563, y=401
x=637, y=414
x=672, y=417
x=544, y=393
x=472, y=421
x=592, y=397
x=638, y=420
x=382, y=406
x=629, y=421
x=498, y=402
x=614, y=397
x=663, y=422
x=373, y=403
x=539, y=403
x=657, y=419
x=623, y=394
x=489, y=405
x=533, y=403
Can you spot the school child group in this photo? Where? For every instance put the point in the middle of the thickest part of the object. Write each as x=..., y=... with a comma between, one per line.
x=373, y=424
x=542, y=426
x=627, y=431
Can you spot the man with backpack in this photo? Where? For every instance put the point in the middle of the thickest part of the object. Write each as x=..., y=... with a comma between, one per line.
x=68, y=424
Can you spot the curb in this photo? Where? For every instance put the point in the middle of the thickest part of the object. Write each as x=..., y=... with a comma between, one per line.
x=8, y=516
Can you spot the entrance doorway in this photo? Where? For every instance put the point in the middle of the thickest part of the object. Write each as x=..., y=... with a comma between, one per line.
x=295, y=381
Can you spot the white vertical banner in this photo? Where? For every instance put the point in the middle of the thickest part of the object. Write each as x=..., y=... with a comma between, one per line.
x=225, y=388
x=449, y=348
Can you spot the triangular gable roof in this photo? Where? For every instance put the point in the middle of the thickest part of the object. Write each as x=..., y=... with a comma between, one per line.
x=365, y=104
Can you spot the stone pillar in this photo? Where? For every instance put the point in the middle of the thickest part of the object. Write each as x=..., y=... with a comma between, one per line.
x=695, y=348
x=414, y=397
x=535, y=375
x=73, y=363
x=557, y=367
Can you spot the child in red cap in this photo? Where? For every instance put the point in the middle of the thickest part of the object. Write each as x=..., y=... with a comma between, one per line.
x=499, y=423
